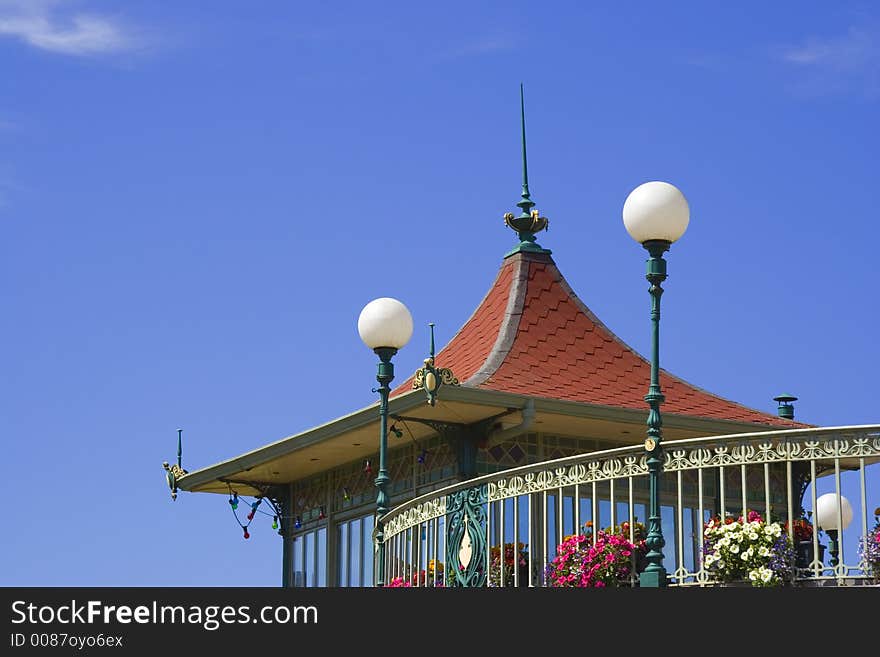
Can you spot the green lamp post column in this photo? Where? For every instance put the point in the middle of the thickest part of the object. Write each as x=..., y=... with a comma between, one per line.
x=655, y=215
x=385, y=325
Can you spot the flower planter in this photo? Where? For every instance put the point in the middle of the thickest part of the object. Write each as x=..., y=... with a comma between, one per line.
x=804, y=554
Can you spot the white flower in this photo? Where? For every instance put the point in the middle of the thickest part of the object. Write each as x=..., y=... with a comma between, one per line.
x=753, y=575
x=734, y=548
x=763, y=551
x=766, y=574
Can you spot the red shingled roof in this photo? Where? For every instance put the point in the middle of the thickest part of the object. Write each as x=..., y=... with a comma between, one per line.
x=532, y=335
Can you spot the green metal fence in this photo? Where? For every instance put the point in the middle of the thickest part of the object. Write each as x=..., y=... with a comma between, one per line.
x=503, y=529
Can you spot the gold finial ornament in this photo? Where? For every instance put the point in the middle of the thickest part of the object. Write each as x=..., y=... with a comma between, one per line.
x=431, y=378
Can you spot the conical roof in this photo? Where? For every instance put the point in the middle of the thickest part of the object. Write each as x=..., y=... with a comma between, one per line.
x=532, y=335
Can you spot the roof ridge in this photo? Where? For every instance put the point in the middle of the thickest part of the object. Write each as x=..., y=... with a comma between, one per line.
x=407, y=383
x=512, y=316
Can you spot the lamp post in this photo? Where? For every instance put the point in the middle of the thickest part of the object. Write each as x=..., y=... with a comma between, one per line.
x=832, y=517
x=655, y=215
x=385, y=325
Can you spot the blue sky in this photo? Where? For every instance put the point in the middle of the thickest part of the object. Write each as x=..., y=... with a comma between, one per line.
x=197, y=199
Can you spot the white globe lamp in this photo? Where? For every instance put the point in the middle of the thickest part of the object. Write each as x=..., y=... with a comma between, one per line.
x=656, y=211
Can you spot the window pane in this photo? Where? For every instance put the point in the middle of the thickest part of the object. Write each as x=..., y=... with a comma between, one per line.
x=299, y=578
x=367, y=542
x=342, y=555
x=322, y=557
x=356, y=578
x=310, y=559
x=568, y=516
x=552, y=537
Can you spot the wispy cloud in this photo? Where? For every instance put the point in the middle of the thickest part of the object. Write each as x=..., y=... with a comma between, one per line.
x=483, y=45
x=846, y=62
x=52, y=25
x=852, y=51
x=7, y=185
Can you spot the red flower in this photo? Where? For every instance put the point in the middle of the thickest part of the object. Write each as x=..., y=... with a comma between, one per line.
x=799, y=530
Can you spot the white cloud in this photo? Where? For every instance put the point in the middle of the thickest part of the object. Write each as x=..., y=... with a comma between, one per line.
x=838, y=64
x=486, y=44
x=856, y=49
x=47, y=25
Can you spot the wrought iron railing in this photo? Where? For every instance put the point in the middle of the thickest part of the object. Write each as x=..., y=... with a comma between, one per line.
x=457, y=536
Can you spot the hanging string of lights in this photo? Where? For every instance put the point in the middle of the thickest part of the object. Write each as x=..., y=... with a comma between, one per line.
x=235, y=500
x=254, y=505
x=423, y=454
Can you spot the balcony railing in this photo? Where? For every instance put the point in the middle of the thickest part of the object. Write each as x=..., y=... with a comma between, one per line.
x=447, y=536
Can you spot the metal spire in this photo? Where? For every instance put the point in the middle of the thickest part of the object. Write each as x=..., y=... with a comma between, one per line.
x=529, y=221
x=522, y=110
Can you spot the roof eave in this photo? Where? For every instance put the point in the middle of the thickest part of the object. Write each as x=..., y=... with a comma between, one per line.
x=401, y=404
x=261, y=455
x=710, y=426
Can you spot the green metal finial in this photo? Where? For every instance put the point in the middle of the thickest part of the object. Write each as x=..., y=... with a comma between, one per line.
x=522, y=112
x=529, y=221
x=430, y=378
x=174, y=473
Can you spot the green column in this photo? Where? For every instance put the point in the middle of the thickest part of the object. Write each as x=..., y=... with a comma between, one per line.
x=285, y=528
x=384, y=375
x=654, y=574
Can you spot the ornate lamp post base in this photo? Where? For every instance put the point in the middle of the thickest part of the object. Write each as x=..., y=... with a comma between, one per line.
x=654, y=579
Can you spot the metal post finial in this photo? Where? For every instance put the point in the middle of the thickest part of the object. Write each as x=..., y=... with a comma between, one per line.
x=522, y=111
x=529, y=221
x=174, y=473
x=430, y=377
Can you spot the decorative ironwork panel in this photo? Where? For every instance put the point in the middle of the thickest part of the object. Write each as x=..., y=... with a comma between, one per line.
x=415, y=515
x=466, y=537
